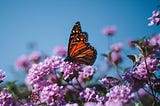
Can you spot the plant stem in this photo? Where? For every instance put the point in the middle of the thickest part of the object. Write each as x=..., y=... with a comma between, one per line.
x=118, y=73
x=150, y=84
x=79, y=84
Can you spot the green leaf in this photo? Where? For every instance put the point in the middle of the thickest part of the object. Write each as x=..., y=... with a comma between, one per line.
x=134, y=58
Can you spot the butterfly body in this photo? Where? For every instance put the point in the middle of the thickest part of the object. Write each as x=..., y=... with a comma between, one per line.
x=79, y=50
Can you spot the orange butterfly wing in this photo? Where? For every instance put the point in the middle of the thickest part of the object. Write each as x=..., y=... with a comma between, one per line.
x=78, y=49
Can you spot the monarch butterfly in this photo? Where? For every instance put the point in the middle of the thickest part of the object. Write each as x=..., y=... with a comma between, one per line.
x=79, y=50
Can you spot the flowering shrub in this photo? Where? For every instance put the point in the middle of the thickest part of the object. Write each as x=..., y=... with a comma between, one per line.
x=52, y=81
x=6, y=99
x=155, y=18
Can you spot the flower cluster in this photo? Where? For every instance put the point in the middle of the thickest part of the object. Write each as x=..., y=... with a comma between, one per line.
x=116, y=47
x=52, y=95
x=40, y=79
x=114, y=56
x=155, y=18
x=22, y=62
x=87, y=72
x=35, y=57
x=92, y=104
x=146, y=67
x=120, y=93
x=69, y=69
x=44, y=79
x=60, y=51
x=89, y=95
x=25, y=62
x=6, y=99
x=109, y=30
x=55, y=81
x=109, y=82
x=69, y=104
x=154, y=42
x=38, y=72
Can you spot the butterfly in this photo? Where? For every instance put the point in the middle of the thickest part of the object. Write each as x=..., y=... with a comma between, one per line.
x=79, y=50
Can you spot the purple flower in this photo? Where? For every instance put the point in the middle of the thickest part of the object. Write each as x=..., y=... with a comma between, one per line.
x=133, y=81
x=116, y=57
x=87, y=71
x=38, y=72
x=22, y=62
x=89, y=95
x=141, y=71
x=117, y=103
x=102, y=100
x=52, y=95
x=120, y=93
x=35, y=57
x=109, y=82
x=113, y=57
x=60, y=50
x=2, y=76
x=40, y=85
x=155, y=18
x=110, y=30
x=6, y=99
x=92, y=104
x=73, y=104
x=155, y=40
x=116, y=47
x=34, y=97
x=69, y=69
x=28, y=104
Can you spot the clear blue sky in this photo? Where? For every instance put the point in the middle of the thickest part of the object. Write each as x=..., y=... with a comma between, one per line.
x=49, y=23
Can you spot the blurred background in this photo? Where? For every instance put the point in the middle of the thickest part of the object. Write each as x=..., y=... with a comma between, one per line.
x=46, y=24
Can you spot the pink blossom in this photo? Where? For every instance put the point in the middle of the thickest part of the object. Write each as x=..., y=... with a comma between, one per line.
x=120, y=93
x=6, y=99
x=155, y=18
x=92, y=104
x=109, y=82
x=69, y=69
x=117, y=103
x=87, y=71
x=116, y=47
x=155, y=40
x=35, y=57
x=38, y=72
x=109, y=30
x=73, y=104
x=52, y=95
x=141, y=70
x=89, y=95
x=116, y=57
x=60, y=50
x=22, y=62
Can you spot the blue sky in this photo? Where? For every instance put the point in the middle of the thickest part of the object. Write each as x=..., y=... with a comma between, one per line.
x=49, y=23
